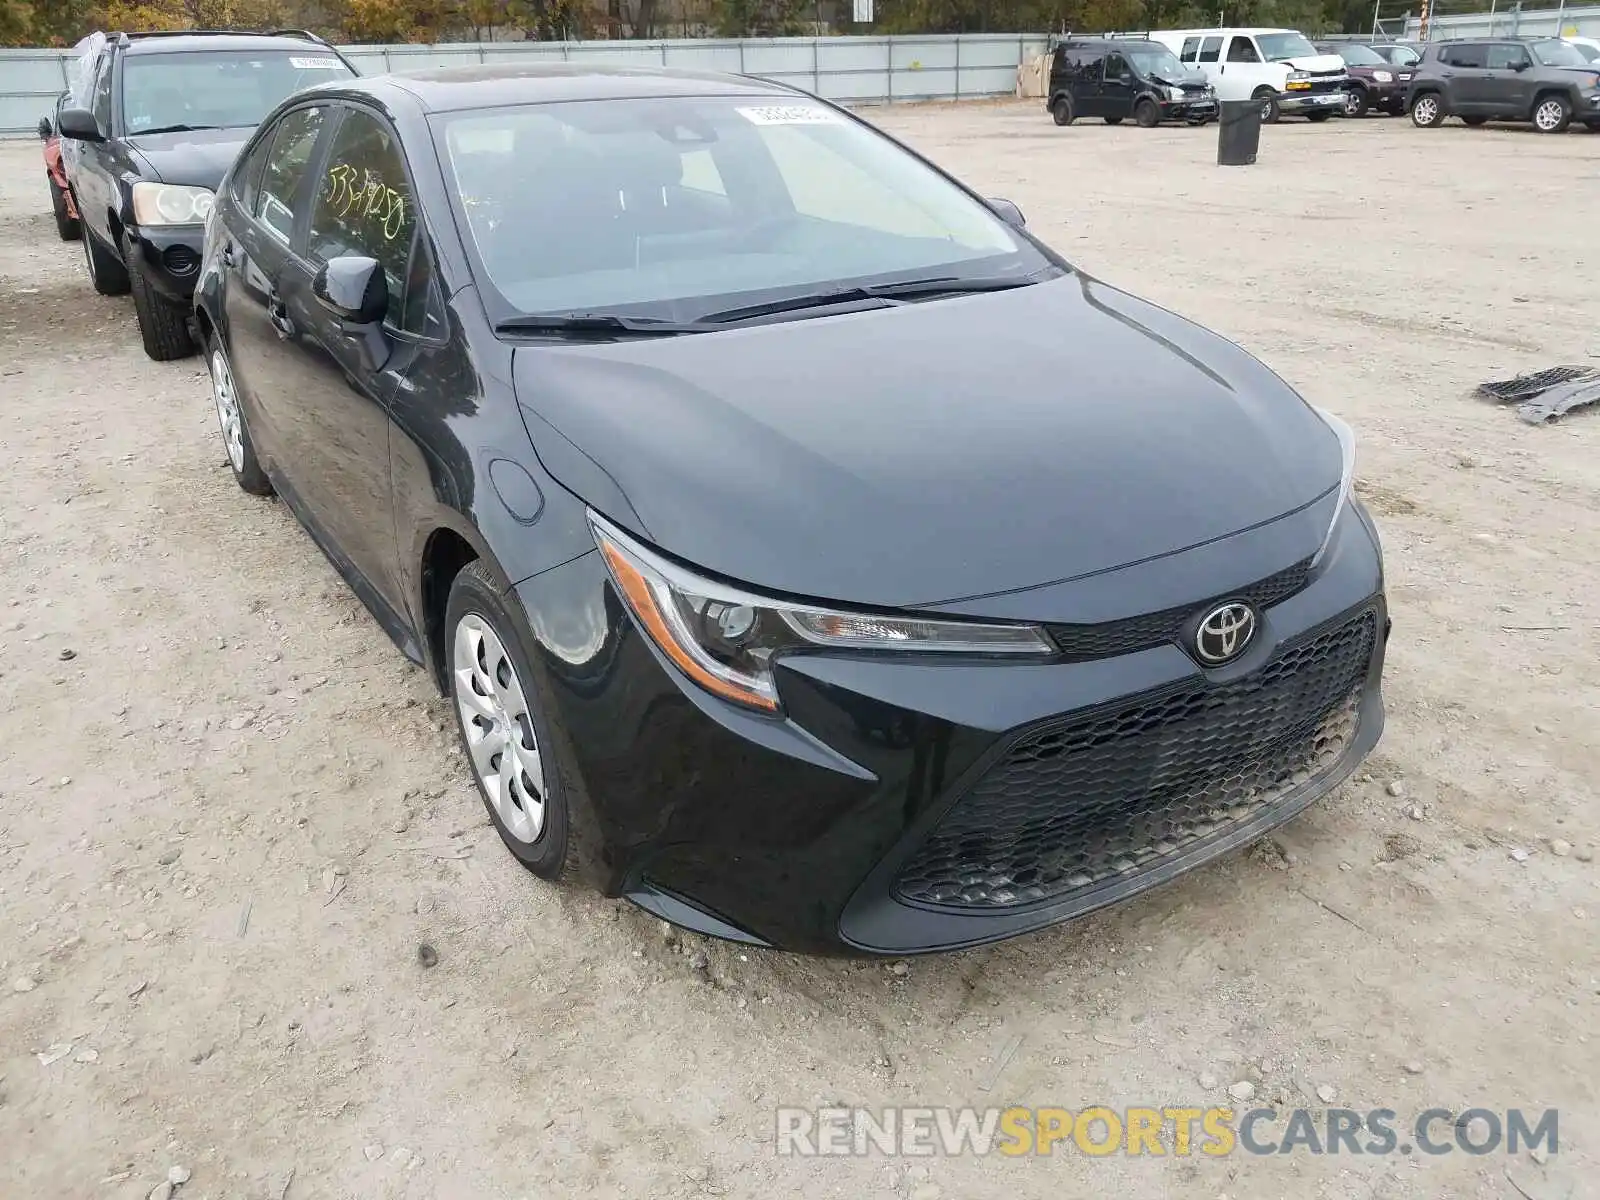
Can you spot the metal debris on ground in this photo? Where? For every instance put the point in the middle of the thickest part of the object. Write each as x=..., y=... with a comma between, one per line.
x=1548, y=395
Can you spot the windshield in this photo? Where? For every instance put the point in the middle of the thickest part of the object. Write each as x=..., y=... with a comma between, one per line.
x=676, y=207
x=1360, y=56
x=217, y=88
x=1160, y=62
x=1279, y=47
x=1559, y=54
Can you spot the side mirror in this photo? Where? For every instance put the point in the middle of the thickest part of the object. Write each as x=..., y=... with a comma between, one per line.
x=1007, y=212
x=80, y=125
x=46, y=130
x=354, y=290
x=1521, y=65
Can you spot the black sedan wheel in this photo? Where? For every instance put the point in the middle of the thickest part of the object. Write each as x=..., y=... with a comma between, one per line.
x=163, y=325
x=503, y=731
x=230, y=420
x=1147, y=114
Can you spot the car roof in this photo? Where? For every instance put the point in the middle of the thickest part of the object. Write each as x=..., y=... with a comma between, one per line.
x=454, y=89
x=1084, y=43
x=179, y=43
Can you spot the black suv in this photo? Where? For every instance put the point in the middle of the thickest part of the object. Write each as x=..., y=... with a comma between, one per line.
x=1545, y=81
x=167, y=114
x=1115, y=78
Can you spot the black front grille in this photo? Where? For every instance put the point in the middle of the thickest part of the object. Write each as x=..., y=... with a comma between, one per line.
x=1121, y=791
x=1082, y=642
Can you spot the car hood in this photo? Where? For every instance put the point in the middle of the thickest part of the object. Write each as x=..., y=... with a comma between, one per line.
x=1319, y=63
x=934, y=451
x=1191, y=80
x=198, y=159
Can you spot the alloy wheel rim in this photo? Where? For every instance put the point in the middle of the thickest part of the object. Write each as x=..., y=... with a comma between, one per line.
x=499, y=731
x=1352, y=103
x=227, y=399
x=1548, y=116
x=1425, y=109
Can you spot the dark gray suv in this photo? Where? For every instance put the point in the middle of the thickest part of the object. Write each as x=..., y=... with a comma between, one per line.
x=1545, y=81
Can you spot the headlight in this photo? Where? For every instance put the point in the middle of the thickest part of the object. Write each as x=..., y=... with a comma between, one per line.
x=1347, y=474
x=725, y=639
x=1298, y=76
x=1383, y=76
x=1174, y=93
x=169, y=204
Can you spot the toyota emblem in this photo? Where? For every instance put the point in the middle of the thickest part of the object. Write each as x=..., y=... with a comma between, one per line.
x=1224, y=633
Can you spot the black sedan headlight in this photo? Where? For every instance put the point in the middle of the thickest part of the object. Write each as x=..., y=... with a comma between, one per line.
x=725, y=638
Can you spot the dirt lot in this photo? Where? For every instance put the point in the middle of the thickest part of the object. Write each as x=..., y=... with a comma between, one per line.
x=229, y=817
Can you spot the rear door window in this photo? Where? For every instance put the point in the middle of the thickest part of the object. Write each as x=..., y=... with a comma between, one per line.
x=1191, y=47
x=1463, y=56
x=1506, y=58
x=1210, y=49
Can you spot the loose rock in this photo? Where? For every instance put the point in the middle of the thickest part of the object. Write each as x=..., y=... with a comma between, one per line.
x=1519, y=855
x=373, y=1152
x=178, y=1176
x=427, y=956
x=1585, y=854
x=1412, y=1067
x=1396, y=788
x=1326, y=1094
x=1207, y=1080
x=24, y=983
x=1242, y=1091
x=1560, y=848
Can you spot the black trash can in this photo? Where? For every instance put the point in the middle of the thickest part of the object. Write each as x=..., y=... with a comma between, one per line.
x=1238, y=132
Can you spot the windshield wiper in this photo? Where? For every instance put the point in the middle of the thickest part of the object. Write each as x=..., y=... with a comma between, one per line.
x=177, y=129
x=892, y=293
x=601, y=324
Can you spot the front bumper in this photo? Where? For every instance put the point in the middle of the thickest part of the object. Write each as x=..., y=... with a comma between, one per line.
x=1387, y=97
x=170, y=256
x=1300, y=103
x=884, y=813
x=1198, y=108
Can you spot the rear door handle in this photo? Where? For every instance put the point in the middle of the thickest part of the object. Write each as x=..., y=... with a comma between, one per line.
x=278, y=314
x=225, y=255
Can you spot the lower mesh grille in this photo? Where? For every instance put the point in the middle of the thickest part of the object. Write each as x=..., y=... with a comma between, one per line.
x=1118, y=793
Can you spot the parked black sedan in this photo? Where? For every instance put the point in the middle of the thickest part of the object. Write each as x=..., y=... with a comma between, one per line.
x=811, y=555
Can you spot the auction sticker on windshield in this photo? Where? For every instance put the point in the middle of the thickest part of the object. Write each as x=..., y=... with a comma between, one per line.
x=316, y=64
x=789, y=114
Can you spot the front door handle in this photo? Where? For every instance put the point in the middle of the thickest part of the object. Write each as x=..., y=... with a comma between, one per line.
x=225, y=255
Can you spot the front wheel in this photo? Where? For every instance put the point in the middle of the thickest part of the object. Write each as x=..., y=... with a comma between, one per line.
x=1269, y=105
x=1062, y=111
x=1147, y=114
x=1426, y=111
x=1356, y=102
x=1552, y=114
x=163, y=325
x=503, y=727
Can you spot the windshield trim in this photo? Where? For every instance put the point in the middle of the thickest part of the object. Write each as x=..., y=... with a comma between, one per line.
x=1047, y=264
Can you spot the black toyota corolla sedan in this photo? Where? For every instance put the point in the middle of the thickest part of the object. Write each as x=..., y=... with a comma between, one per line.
x=812, y=555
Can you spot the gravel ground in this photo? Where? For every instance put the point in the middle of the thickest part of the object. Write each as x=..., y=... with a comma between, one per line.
x=230, y=816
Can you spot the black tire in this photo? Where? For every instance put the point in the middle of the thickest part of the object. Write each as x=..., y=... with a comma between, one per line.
x=247, y=472
x=1062, y=111
x=1269, y=105
x=1552, y=101
x=1147, y=114
x=1357, y=101
x=1474, y=121
x=1113, y=120
x=106, y=272
x=66, y=225
x=1427, y=110
x=163, y=325
x=1317, y=118
x=553, y=852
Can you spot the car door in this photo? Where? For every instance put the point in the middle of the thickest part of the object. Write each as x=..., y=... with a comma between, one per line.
x=92, y=178
x=1209, y=60
x=266, y=207
x=337, y=424
x=1505, y=80
x=1462, y=70
x=1086, y=82
x=1244, y=68
x=1116, y=87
